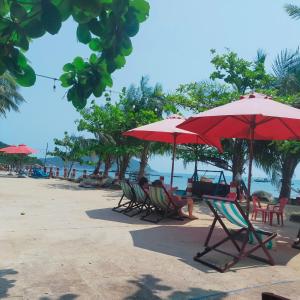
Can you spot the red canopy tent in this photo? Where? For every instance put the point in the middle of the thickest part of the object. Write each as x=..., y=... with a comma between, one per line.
x=254, y=117
x=166, y=131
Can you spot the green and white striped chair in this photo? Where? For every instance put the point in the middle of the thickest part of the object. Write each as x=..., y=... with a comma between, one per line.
x=162, y=205
x=128, y=195
x=233, y=212
x=141, y=200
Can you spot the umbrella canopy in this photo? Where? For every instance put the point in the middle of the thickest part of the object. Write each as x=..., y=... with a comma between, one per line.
x=21, y=149
x=166, y=131
x=9, y=148
x=270, y=120
x=254, y=117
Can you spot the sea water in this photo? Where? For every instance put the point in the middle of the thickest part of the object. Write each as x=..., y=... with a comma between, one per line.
x=180, y=181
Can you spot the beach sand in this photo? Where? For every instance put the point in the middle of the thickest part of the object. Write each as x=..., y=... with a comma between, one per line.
x=58, y=241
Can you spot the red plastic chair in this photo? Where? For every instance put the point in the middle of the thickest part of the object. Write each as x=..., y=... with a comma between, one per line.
x=258, y=209
x=277, y=209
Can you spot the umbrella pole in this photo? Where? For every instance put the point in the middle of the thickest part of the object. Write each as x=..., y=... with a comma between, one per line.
x=250, y=168
x=173, y=161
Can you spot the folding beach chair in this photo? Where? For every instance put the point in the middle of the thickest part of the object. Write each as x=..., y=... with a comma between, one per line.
x=162, y=205
x=232, y=211
x=128, y=195
x=142, y=202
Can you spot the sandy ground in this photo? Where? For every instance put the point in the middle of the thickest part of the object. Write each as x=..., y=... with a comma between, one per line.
x=58, y=241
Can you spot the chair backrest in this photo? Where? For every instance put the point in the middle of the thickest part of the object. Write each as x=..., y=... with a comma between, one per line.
x=140, y=194
x=229, y=209
x=127, y=190
x=282, y=203
x=159, y=197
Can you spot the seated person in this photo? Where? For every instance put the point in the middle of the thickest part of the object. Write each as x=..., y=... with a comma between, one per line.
x=179, y=202
x=144, y=183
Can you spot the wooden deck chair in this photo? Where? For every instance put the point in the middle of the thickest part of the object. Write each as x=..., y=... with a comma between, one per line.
x=128, y=195
x=141, y=200
x=233, y=212
x=162, y=205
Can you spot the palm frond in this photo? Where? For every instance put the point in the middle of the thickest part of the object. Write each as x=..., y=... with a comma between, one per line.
x=293, y=11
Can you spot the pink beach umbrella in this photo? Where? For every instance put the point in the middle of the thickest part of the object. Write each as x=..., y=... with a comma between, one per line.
x=254, y=117
x=21, y=149
x=166, y=131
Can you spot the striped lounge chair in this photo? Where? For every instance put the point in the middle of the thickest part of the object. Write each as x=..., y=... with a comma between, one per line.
x=141, y=200
x=128, y=195
x=161, y=205
x=233, y=212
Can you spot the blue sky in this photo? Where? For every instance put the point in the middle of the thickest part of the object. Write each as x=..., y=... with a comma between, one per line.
x=172, y=47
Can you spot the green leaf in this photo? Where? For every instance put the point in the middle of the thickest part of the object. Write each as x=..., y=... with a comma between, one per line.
x=95, y=27
x=22, y=41
x=126, y=46
x=132, y=24
x=65, y=9
x=95, y=44
x=99, y=89
x=83, y=33
x=119, y=61
x=34, y=29
x=93, y=59
x=22, y=61
x=142, y=8
x=74, y=95
x=4, y=8
x=67, y=79
x=50, y=17
x=79, y=63
x=27, y=78
x=17, y=11
x=68, y=67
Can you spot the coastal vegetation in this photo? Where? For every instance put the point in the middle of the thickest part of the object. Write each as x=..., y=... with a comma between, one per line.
x=96, y=21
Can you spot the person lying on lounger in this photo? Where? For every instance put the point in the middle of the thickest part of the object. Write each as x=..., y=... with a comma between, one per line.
x=179, y=201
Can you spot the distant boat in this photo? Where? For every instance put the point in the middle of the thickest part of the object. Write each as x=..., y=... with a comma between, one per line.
x=260, y=179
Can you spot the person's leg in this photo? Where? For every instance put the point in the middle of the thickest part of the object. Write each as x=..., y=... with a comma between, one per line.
x=190, y=204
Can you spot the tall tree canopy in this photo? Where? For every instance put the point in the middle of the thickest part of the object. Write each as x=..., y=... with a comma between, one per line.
x=106, y=26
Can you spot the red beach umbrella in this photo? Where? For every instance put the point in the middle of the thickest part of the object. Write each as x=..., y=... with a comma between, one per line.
x=166, y=131
x=21, y=149
x=254, y=117
x=9, y=148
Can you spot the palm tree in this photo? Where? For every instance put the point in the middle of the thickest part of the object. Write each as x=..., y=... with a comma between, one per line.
x=10, y=99
x=279, y=159
x=293, y=11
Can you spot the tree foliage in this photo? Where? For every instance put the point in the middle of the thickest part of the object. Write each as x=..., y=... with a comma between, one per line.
x=10, y=98
x=105, y=26
x=70, y=149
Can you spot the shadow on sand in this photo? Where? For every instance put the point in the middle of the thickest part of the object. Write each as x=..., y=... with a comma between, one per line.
x=184, y=242
x=6, y=284
x=108, y=214
x=148, y=288
x=63, y=297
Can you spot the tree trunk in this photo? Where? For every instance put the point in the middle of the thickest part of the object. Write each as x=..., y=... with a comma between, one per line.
x=107, y=165
x=124, y=162
x=287, y=171
x=238, y=159
x=70, y=169
x=144, y=160
x=98, y=166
